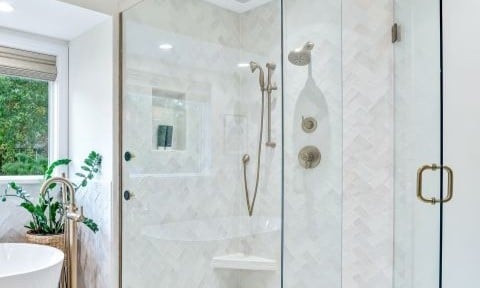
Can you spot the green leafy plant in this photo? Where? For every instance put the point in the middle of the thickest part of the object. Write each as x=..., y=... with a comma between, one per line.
x=47, y=213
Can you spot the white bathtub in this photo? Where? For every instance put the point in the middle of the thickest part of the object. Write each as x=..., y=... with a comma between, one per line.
x=29, y=266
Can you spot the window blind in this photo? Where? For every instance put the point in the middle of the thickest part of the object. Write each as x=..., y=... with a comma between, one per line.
x=16, y=62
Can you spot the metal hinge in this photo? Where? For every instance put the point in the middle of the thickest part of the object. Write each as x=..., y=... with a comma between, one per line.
x=395, y=33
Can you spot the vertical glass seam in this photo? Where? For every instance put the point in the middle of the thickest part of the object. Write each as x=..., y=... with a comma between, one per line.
x=282, y=234
x=440, y=274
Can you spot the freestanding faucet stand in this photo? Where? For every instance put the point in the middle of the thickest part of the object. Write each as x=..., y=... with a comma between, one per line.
x=71, y=218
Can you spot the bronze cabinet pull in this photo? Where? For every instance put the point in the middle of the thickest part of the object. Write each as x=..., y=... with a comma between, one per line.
x=434, y=167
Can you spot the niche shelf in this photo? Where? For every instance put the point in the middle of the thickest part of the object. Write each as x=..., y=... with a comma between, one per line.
x=240, y=261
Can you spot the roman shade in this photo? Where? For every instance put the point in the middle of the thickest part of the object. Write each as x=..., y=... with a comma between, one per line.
x=16, y=62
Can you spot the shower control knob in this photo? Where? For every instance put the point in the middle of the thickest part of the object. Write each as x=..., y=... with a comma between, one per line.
x=309, y=157
x=128, y=156
x=127, y=195
x=309, y=124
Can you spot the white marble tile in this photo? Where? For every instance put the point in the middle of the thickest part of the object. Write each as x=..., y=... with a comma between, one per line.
x=367, y=259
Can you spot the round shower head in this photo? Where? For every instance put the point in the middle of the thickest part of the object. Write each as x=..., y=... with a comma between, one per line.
x=301, y=56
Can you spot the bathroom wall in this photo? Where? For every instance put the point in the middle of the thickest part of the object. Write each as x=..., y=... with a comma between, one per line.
x=461, y=121
x=313, y=197
x=368, y=138
x=91, y=128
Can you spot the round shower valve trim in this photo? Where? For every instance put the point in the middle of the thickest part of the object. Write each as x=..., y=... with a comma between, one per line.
x=309, y=124
x=309, y=157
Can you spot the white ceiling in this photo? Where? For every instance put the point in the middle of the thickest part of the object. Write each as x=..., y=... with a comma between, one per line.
x=50, y=18
x=239, y=6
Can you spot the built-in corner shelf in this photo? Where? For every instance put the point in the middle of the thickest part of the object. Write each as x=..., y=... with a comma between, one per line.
x=240, y=261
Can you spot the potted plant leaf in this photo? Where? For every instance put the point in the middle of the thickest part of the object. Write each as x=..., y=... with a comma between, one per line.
x=46, y=225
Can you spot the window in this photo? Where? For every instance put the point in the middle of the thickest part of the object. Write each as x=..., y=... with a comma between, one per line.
x=33, y=105
x=23, y=126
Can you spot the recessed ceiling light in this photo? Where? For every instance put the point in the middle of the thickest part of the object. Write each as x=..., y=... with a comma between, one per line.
x=243, y=65
x=165, y=46
x=6, y=7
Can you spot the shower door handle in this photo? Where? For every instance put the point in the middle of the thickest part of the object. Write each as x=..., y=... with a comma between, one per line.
x=434, y=167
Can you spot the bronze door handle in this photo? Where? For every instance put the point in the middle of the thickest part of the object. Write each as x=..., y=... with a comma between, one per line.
x=434, y=167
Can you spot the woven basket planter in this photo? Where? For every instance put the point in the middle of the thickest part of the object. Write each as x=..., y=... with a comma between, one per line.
x=56, y=241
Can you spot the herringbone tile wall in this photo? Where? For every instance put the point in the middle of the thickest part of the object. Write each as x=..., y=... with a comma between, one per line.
x=367, y=144
x=313, y=203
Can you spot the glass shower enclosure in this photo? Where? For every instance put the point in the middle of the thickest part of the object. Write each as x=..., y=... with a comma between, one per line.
x=209, y=154
x=193, y=108
x=233, y=144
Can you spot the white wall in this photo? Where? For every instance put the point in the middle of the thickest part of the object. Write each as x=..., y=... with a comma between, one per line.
x=462, y=142
x=112, y=7
x=90, y=128
x=368, y=144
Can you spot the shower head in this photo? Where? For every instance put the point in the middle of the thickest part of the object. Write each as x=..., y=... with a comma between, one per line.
x=301, y=56
x=261, y=80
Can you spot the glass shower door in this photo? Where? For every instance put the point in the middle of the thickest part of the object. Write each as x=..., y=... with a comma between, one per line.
x=192, y=111
x=418, y=148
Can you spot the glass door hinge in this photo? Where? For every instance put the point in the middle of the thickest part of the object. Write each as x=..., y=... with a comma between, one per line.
x=395, y=33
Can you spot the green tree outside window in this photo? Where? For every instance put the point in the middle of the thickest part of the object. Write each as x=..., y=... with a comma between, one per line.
x=23, y=126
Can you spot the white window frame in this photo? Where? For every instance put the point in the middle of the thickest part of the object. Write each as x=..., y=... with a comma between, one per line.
x=58, y=95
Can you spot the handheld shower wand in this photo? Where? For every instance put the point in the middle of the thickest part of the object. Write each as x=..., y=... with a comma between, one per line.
x=246, y=158
x=261, y=77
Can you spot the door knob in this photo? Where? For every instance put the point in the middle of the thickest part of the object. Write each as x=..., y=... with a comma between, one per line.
x=128, y=156
x=127, y=195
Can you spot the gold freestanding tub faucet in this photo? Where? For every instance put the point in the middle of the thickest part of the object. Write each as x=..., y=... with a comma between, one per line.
x=70, y=227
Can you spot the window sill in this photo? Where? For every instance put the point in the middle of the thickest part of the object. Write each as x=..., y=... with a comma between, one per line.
x=37, y=179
